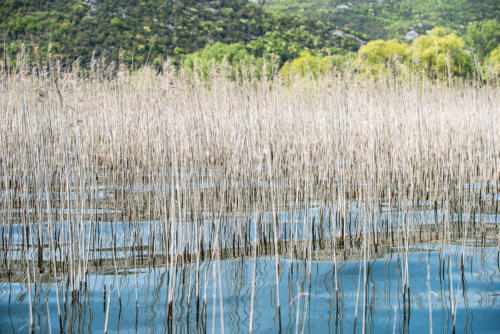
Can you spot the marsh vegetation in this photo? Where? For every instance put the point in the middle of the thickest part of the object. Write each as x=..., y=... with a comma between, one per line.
x=168, y=203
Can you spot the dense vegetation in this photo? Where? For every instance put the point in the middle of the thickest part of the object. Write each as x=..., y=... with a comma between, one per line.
x=153, y=173
x=437, y=54
x=388, y=19
x=458, y=38
x=244, y=199
x=144, y=32
x=438, y=38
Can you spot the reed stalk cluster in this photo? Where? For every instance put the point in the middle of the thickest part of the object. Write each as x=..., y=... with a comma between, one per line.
x=147, y=169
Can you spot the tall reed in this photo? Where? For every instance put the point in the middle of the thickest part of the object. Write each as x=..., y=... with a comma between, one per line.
x=113, y=172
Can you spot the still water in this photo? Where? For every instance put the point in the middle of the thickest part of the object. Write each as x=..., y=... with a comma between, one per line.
x=310, y=301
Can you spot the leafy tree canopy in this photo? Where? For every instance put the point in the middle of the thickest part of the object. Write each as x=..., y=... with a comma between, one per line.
x=306, y=64
x=438, y=54
x=483, y=36
x=491, y=67
x=232, y=57
x=441, y=54
x=377, y=56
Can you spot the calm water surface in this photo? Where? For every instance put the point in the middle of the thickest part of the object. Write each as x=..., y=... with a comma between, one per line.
x=309, y=302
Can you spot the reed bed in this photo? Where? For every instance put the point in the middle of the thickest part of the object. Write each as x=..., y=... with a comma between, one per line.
x=110, y=173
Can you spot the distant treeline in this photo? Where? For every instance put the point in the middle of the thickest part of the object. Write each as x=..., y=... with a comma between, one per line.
x=440, y=53
x=204, y=35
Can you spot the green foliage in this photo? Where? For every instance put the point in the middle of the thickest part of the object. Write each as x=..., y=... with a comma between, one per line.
x=137, y=33
x=476, y=21
x=491, y=67
x=376, y=57
x=306, y=64
x=341, y=62
x=439, y=54
x=232, y=58
x=314, y=66
x=386, y=19
x=232, y=53
x=483, y=37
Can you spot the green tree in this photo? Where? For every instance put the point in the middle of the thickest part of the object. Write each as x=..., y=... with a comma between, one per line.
x=306, y=64
x=378, y=56
x=491, y=67
x=440, y=54
x=275, y=43
x=483, y=37
x=234, y=58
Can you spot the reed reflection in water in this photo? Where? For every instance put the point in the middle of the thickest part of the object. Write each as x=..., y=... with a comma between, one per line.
x=311, y=303
x=164, y=202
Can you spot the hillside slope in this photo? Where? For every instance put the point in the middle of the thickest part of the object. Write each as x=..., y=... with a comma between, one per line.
x=388, y=19
x=136, y=32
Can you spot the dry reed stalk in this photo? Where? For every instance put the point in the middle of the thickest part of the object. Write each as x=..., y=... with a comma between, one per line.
x=319, y=164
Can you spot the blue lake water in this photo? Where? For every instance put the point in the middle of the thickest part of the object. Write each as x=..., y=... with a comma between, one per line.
x=309, y=302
